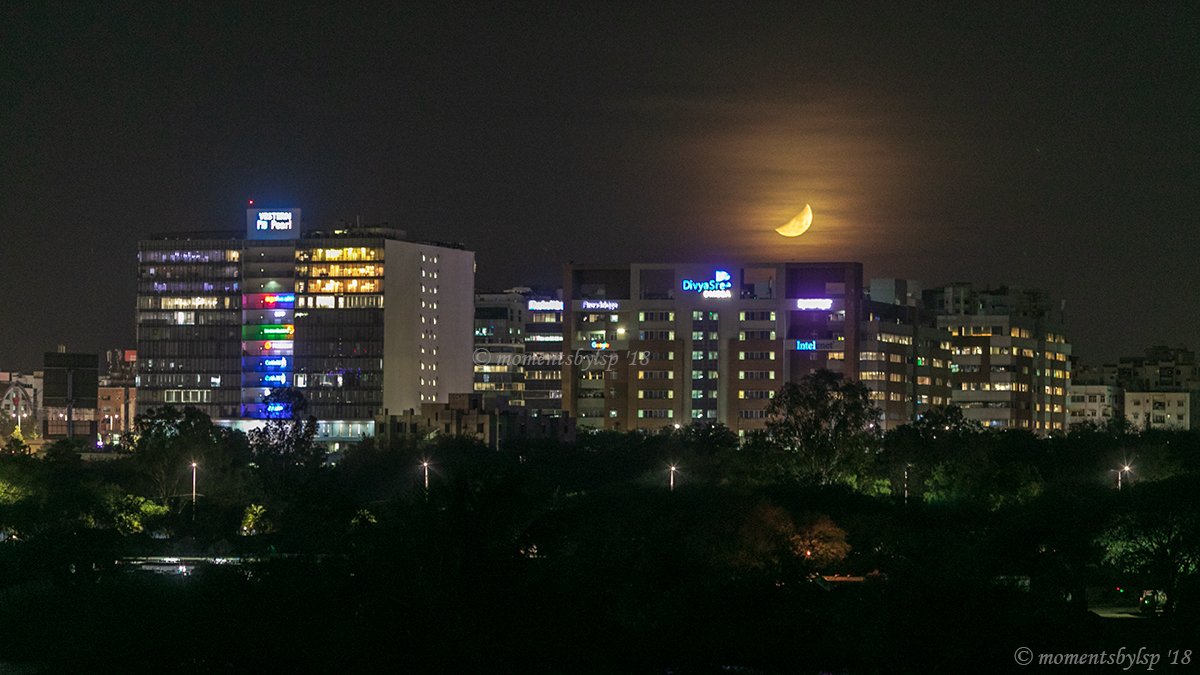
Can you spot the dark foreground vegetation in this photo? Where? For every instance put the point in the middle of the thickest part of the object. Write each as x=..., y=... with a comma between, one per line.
x=817, y=547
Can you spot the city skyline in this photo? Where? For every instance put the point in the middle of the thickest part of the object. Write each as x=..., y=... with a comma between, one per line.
x=1035, y=148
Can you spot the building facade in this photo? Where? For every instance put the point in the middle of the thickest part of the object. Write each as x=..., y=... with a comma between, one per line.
x=1175, y=410
x=1094, y=404
x=499, y=355
x=518, y=349
x=487, y=419
x=361, y=321
x=668, y=344
x=1011, y=365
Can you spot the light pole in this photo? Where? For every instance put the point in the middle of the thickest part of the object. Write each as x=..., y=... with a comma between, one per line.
x=672, y=484
x=1123, y=470
x=193, y=489
x=425, y=468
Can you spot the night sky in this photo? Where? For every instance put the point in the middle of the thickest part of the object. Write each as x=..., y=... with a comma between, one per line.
x=1052, y=146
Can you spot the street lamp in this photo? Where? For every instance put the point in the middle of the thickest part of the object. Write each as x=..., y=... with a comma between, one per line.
x=1123, y=470
x=673, y=470
x=193, y=489
x=425, y=468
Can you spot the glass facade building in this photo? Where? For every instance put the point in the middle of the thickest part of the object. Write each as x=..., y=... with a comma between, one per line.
x=362, y=321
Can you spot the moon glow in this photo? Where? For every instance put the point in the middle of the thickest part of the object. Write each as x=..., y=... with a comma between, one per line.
x=798, y=225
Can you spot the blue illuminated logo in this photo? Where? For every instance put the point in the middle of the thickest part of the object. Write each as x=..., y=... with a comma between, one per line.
x=720, y=286
x=280, y=362
x=806, y=345
x=275, y=407
x=720, y=282
x=279, y=378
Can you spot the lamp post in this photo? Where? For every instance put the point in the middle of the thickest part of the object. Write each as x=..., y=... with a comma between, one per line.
x=193, y=488
x=1123, y=470
x=425, y=468
x=672, y=479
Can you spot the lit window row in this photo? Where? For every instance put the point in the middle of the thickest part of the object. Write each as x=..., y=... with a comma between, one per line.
x=339, y=286
x=756, y=374
x=339, y=270
x=349, y=253
x=756, y=356
x=187, y=396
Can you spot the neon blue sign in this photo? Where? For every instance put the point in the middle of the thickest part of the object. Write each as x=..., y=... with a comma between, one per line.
x=720, y=286
x=720, y=282
x=806, y=345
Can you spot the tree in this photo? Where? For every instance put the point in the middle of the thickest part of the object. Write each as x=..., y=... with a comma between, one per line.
x=170, y=439
x=288, y=436
x=15, y=445
x=912, y=451
x=945, y=422
x=1163, y=546
x=707, y=438
x=764, y=541
x=827, y=423
x=254, y=521
x=820, y=542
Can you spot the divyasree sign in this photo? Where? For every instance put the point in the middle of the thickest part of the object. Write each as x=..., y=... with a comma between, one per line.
x=720, y=286
x=273, y=223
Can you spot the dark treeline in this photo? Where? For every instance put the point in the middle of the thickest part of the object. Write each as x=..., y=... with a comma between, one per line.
x=550, y=558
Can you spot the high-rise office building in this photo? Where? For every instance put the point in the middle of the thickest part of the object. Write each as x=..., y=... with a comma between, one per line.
x=518, y=349
x=360, y=320
x=715, y=342
x=543, y=354
x=499, y=356
x=1011, y=359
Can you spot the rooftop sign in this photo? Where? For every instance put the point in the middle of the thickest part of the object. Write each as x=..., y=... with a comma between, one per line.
x=272, y=224
x=720, y=286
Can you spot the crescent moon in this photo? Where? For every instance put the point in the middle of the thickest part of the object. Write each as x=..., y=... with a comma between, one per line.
x=798, y=225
